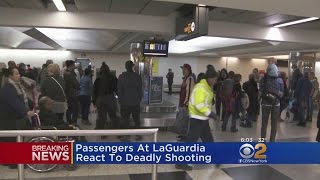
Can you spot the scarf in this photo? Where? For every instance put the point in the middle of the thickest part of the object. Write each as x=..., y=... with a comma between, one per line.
x=20, y=91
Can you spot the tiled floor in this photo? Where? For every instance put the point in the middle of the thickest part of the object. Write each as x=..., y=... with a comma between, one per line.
x=261, y=172
x=286, y=132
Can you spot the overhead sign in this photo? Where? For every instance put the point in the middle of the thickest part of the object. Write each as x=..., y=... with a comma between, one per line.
x=192, y=27
x=155, y=48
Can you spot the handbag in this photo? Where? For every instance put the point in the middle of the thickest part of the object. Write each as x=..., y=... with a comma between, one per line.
x=270, y=98
x=65, y=97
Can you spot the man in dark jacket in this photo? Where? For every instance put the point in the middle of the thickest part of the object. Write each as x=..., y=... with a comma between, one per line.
x=170, y=77
x=105, y=89
x=302, y=93
x=296, y=75
x=251, y=88
x=72, y=90
x=130, y=95
x=271, y=90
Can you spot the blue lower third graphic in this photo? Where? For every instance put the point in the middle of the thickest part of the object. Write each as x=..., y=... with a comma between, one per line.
x=196, y=153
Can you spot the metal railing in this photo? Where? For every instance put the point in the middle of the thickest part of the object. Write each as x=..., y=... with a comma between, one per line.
x=38, y=133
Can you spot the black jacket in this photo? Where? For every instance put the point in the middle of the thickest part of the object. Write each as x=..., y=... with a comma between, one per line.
x=130, y=89
x=51, y=89
x=72, y=85
x=251, y=88
x=49, y=118
x=104, y=85
x=296, y=75
x=13, y=111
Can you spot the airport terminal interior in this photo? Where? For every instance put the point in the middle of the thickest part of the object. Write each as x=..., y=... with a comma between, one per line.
x=242, y=36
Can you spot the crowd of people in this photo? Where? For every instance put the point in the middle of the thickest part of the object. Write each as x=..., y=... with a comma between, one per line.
x=61, y=96
x=66, y=93
x=268, y=92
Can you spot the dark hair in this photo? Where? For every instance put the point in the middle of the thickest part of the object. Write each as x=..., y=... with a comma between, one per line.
x=231, y=74
x=220, y=73
x=201, y=76
x=129, y=65
x=28, y=65
x=10, y=71
x=69, y=63
x=237, y=78
x=87, y=71
x=104, y=68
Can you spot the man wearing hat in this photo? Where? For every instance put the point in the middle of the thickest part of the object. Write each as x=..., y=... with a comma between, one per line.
x=200, y=110
x=185, y=92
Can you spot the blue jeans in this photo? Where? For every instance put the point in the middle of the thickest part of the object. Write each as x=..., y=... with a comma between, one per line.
x=182, y=121
x=85, y=102
x=73, y=110
x=235, y=115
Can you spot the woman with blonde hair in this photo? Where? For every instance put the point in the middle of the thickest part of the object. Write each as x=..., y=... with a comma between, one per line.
x=54, y=88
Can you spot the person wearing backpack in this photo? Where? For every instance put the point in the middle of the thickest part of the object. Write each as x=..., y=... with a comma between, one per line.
x=271, y=90
x=227, y=102
x=236, y=103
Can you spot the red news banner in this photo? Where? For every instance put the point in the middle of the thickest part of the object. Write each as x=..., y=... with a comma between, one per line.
x=35, y=153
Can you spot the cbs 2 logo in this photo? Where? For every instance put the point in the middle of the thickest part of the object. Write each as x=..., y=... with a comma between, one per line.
x=248, y=151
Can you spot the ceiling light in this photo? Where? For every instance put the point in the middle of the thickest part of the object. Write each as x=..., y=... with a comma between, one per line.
x=59, y=4
x=202, y=5
x=296, y=22
x=278, y=57
x=204, y=43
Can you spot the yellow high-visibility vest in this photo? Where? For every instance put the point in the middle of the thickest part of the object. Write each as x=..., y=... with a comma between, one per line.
x=200, y=104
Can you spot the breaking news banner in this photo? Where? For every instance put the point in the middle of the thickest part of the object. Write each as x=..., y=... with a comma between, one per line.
x=160, y=153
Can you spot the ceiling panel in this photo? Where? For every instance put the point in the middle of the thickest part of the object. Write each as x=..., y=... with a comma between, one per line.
x=158, y=8
x=82, y=39
x=93, y=5
x=3, y=3
x=249, y=16
x=276, y=19
x=128, y=6
x=11, y=37
x=27, y=4
x=223, y=13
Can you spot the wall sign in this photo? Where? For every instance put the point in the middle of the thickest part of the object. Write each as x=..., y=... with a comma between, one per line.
x=155, y=91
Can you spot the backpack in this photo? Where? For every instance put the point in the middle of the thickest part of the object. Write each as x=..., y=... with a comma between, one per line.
x=227, y=88
x=244, y=100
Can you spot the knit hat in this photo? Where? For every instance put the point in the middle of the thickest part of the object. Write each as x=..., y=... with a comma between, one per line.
x=211, y=72
x=272, y=70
